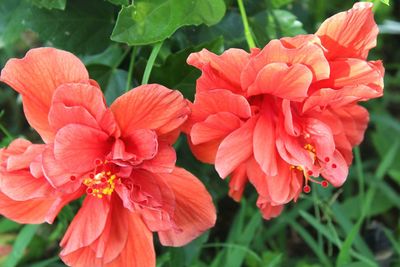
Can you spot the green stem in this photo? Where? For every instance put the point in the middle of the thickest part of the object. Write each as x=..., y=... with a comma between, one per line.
x=247, y=30
x=130, y=71
x=150, y=62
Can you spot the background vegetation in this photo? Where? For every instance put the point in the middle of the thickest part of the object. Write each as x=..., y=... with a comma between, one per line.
x=356, y=225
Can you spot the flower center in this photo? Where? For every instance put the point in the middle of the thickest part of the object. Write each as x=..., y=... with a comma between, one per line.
x=101, y=182
x=308, y=173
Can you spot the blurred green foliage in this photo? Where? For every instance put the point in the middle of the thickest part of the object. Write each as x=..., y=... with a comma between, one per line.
x=357, y=225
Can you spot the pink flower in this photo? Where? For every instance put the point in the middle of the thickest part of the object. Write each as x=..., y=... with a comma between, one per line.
x=282, y=116
x=120, y=157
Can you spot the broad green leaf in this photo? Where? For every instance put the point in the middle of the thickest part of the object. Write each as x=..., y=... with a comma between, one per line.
x=50, y=4
x=175, y=73
x=116, y=85
x=119, y=2
x=83, y=28
x=280, y=3
x=12, y=20
x=273, y=24
x=23, y=239
x=146, y=22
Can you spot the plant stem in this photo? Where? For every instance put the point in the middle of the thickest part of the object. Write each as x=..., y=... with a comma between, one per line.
x=247, y=30
x=130, y=71
x=150, y=62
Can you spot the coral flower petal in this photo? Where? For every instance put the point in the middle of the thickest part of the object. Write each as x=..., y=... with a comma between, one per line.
x=264, y=142
x=235, y=149
x=268, y=211
x=150, y=106
x=350, y=34
x=216, y=126
x=87, y=225
x=212, y=102
x=194, y=213
x=282, y=81
x=139, y=249
x=78, y=147
x=164, y=161
x=77, y=104
x=36, y=77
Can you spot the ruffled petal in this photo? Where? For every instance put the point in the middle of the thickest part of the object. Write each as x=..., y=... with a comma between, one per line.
x=150, y=106
x=278, y=79
x=216, y=126
x=219, y=72
x=164, y=161
x=36, y=77
x=349, y=34
x=195, y=211
x=237, y=182
x=310, y=55
x=268, y=211
x=79, y=104
x=215, y=101
x=235, y=149
x=77, y=147
x=205, y=152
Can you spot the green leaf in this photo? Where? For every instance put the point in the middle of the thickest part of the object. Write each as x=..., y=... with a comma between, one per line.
x=275, y=24
x=280, y=3
x=84, y=27
x=175, y=73
x=23, y=239
x=386, y=2
x=119, y=2
x=7, y=225
x=12, y=21
x=147, y=22
x=116, y=85
x=50, y=4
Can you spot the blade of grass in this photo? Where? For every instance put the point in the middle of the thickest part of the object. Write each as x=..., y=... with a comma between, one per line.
x=21, y=243
x=344, y=254
x=311, y=243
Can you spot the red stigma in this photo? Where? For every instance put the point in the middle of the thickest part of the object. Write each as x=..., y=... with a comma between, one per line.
x=97, y=162
x=91, y=175
x=307, y=189
x=89, y=190
x=309, y=172
x=72, y=178
x=334, y=166
x=327, y=159
x=324, y=184
x=103, y=180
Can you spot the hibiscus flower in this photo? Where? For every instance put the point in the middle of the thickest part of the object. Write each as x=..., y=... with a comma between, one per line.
x=119, y=158
x=282, y=116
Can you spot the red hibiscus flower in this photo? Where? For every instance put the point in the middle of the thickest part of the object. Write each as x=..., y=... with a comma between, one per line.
x=282, y=116
x=120, y=157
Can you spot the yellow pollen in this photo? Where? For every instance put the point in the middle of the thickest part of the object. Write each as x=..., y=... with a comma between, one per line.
x=100, y=184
